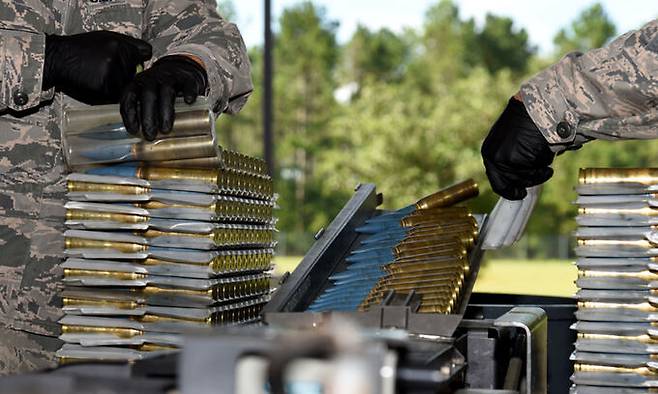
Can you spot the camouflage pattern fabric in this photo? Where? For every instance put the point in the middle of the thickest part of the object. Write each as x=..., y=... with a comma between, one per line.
x=32, y=170
x=607, y=93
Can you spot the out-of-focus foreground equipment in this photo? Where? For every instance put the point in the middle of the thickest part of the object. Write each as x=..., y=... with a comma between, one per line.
x=617, y=281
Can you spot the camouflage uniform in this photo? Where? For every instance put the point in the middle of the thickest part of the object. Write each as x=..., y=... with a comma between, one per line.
x=31, y=167
x=607, y=93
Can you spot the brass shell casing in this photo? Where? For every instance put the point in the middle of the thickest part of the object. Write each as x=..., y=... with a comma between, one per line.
x=646, y=176
x=75, y=186
x=643, y=371
x=644, y=211
x=79, y=214
x=188, y=123
x=643, y=306
x=120, y=332
x=68, y=273
x=451, y=195
x=82, y=243
x=638, y=243
x=175, y=148
x=643, y=275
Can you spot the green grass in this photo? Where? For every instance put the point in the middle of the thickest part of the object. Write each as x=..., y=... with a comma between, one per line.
x=535, y=277
x=285, y=263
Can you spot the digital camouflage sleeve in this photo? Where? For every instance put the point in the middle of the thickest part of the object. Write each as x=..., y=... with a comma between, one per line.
x=195, y=28
x=607, y=93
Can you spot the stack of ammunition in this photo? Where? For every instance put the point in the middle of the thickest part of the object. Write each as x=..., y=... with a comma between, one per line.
x=158, y=247
x=617, y=279
x=422, y=248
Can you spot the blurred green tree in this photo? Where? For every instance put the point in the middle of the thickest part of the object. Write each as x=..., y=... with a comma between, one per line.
x=306, y=55
x=500, y=46
x=381, y=55
x=591, y=29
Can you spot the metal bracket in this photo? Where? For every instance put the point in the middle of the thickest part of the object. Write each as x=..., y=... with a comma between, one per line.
x=534, y=322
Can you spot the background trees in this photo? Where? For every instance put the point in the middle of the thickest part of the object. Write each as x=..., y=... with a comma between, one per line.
x=405, y=111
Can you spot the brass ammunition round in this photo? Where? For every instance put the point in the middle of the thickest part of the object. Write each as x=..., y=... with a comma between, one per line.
x=643, y=275
x=151, y=233
x=184, y=174
x=75, y=186
x=120, y=332
x=643, y=371
x=455, y=212
x=188, y=123
x=151, y=347
x=82, y=243
x=646, y=176
x=69, y=301
x=415, y=243
x=441, y=277
x=437, y=250
x=79, y=214
x=644, y=211
x=615, y=242
x=152, y=290
x=151, y=318
x=634, y=338
x=427, y=269
x=466, y=227
x=69, y=272
x=396, y=268
x=643, y=306
x=411, y=221
x=451, y=195
x=175, y=148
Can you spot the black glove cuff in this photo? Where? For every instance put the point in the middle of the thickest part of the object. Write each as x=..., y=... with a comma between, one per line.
x=49, y=62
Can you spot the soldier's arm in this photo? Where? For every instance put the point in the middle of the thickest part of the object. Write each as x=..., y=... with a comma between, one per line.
x=194, y=28
x=22, y=68
x=619, y=80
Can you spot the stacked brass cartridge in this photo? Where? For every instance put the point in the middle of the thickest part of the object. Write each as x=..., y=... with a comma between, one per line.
x=422, y=248
x=617, y=252
x=164, y=240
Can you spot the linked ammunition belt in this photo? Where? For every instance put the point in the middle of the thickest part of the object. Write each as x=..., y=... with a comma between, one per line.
x=617, y=247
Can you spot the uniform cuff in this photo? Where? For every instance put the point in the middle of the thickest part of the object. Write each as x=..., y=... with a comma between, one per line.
x=549, y=109
x=22, y=69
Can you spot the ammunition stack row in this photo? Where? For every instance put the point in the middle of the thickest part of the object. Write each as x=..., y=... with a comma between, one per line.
x=154, y=250
x=422, y=248
x=617, y=247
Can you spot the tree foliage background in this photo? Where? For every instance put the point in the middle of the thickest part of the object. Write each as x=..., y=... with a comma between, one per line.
x=406, y=111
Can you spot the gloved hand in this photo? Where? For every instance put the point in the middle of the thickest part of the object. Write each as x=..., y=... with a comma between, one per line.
x=147, y=104
x=515, y=153
x=93, y=67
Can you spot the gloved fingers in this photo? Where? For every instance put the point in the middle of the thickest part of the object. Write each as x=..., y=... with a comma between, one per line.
x=143, y=50
x=166, y=101
x=123, y=73
x=504, y=187
x=190, y=92
x=541, y=175
x=129, y=108
x=150, y=118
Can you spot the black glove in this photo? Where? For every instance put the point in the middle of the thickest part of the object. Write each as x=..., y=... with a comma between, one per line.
x=93, y=67
x=515, y=153
x=147, y=104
